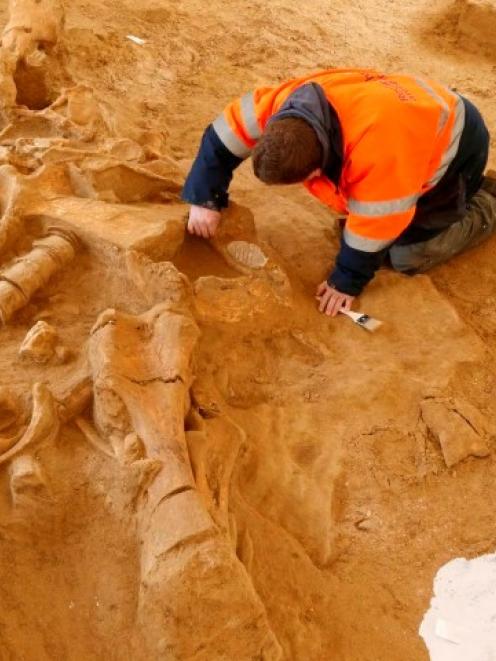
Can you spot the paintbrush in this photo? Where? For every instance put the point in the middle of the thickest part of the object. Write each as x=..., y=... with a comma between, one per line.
x=363, y=320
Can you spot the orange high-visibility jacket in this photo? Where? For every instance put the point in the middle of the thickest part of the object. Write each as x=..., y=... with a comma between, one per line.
x=400, y=134
x=387, y=141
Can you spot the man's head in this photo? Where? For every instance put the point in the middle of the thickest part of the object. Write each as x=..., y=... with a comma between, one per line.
x=288, y=152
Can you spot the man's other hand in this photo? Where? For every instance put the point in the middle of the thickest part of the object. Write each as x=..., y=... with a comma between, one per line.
x=203, y=222
x=331, y=300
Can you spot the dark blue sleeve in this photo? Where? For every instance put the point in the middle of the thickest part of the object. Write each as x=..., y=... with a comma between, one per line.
x=211, y=173
x=354, y=269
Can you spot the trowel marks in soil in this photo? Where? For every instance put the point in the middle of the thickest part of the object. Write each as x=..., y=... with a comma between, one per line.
x=194, y=464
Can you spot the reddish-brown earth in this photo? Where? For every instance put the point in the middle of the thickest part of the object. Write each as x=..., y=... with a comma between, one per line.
x=195, y=464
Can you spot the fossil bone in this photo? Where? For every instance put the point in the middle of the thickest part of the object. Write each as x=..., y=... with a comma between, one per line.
x=20, y=280
x=142, y=370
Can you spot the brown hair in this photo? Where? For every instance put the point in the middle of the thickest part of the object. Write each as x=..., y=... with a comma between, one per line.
x=287, y=152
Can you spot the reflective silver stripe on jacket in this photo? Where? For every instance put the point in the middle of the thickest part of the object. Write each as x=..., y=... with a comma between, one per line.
x=403, y=204
x=458, y=126
x=452, y=148
x=443, y=118
x=249, y=116
x=229, y=138
x=383, y=208
x=362, y=243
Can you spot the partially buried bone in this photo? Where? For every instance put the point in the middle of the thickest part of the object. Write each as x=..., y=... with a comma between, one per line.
x=75, y=399
x=106, y=178
x=234, y=300
x=30, y=272
x=40, y=344
x=26, y=478
x=214, y=443
x=158, y=281
x=458, y=426
x=44, y=424
x=34, y=25
x=142, y=371
x=11, y=193
x=247, y=254
x=92, y=436
x=30, y=36
x=237, y=241
x=48, y=414
x=214, y=447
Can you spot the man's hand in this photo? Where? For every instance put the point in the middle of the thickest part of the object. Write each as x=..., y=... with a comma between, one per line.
x=203, y=222
x=331, y=300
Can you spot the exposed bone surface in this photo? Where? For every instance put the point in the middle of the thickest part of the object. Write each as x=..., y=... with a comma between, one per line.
x=40, y=343
x=28, y=273
x=154, y=230
x=206, y=468
x=142, y=375
x=247, y=254
x=458, y=428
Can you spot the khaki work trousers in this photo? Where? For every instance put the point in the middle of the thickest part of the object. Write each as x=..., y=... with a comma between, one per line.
x=475, y=227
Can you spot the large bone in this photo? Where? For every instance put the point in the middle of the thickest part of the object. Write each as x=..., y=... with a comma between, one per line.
x=33, y=31
x=28, y=273
x=33, y=25
x=142, y=374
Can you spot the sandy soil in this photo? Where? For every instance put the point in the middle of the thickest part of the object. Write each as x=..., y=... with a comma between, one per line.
x=310, y=503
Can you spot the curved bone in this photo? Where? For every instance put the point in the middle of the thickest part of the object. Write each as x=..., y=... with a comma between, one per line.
x=47, y=416
x=44, y=425
x=8, y=442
